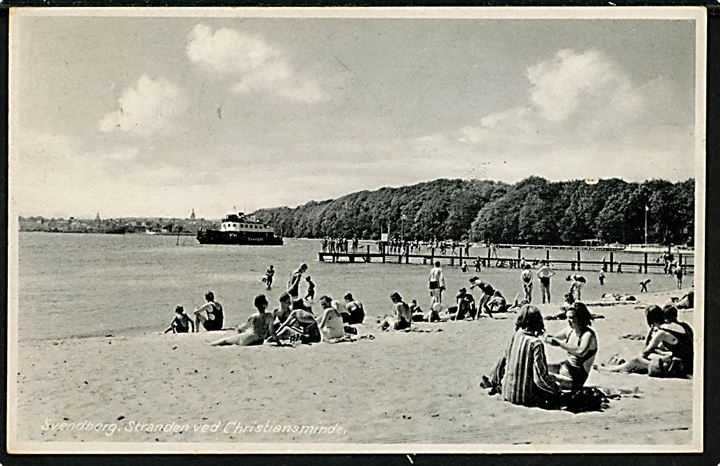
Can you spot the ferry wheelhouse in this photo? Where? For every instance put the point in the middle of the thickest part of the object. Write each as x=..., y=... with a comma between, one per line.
x=236, y=228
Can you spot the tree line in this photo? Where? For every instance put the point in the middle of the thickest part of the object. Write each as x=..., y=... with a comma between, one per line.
x=531, y=211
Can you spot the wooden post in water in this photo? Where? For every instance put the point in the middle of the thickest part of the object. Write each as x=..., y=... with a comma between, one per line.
x=645, y=261
x=519, y=256
x=578, y=260
x=611, y=261
x=488, y=259
x=432, y=255
x=368, y=253
x=460, y=264
x=382, y=251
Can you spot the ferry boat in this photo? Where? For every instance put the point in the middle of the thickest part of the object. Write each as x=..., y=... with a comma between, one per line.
x=240, y=229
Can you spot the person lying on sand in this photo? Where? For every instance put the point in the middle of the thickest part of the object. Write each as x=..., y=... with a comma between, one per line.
x=521, y=375
x=517, y=303
x=580, y=342
x=301, y=323
x=402, y=316
x=182, y=322
x=669, y=351
x=210, y=314
x=258, y=327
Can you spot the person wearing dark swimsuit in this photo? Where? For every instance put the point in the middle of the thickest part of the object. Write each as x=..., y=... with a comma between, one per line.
x=182, y=323
x=210, y=314
x=669, y=353
x=580, y=342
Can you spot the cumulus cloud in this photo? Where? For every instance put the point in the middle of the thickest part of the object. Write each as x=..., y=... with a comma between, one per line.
x=573, y=97
x=252, y=64
x=149, y=107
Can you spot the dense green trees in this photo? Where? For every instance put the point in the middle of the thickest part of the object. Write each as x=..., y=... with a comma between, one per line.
x=532, y=211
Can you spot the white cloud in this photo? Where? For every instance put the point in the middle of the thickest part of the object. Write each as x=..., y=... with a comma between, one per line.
x=574, y=99
x=254, y=65
x=149, y=107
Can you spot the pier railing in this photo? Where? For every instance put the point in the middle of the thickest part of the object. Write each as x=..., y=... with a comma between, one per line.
x=383, y=255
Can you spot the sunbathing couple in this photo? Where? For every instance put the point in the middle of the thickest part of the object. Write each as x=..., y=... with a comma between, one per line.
x=295, y=320
x=209, y=316
x=668, y=348
x=523, y=375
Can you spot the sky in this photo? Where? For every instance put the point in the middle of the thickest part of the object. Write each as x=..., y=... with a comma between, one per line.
x=156, y=116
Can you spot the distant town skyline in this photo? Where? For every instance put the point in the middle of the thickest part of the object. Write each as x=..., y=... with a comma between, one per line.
x=148, y=116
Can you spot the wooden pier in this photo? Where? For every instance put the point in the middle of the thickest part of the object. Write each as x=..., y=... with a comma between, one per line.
x=578, y=264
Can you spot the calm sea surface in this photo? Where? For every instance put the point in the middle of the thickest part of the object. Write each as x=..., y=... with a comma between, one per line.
x=74, y=285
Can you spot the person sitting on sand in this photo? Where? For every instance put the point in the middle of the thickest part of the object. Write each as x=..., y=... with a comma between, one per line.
x=301, y=322
x=331, y=322
x=522, y=373
x=465, y=305
x=210, y=314
x=182, y=323
x=282, y=312
x=643, y=285
x=401, y=318
x=417, y=313
x=488, y=292
x=355, y=312
x=497, y=303
x=668, y=350
x=580, y=342
x=258, y=327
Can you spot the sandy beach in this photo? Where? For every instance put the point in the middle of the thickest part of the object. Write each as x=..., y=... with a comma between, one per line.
x=419, y=387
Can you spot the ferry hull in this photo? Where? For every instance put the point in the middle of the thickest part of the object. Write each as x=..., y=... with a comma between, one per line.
x=237, y=238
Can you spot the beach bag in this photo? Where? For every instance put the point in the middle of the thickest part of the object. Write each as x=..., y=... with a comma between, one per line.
x=583, y=400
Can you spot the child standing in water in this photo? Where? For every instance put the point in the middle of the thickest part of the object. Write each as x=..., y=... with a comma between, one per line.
x=310, y=295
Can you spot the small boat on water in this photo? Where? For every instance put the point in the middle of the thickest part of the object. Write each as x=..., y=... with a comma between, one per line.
x=236, y=228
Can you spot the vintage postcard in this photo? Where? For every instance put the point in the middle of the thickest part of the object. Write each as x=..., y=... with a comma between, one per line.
x=408, y=230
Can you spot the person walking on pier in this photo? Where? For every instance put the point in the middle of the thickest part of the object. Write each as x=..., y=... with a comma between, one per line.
x=436, y=282
x=544, y=275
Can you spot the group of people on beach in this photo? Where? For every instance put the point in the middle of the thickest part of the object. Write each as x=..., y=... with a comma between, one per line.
x=523, y=376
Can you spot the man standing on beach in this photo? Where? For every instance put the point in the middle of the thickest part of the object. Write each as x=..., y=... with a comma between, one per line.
x=294, y=282
x=544, y=275
x=436, y=282
x=527, y=282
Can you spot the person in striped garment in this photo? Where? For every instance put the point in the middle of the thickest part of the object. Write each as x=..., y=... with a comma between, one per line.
x=522, y=373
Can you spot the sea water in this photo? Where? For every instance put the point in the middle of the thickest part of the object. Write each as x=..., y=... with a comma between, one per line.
x=75, y=285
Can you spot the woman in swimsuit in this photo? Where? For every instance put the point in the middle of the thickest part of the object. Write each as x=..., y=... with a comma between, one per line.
x=210, y=314
x=258, y=327
x=668, y=349
x=301, y=322
x=580, y=342
x=402, y=318
x=331, y=322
